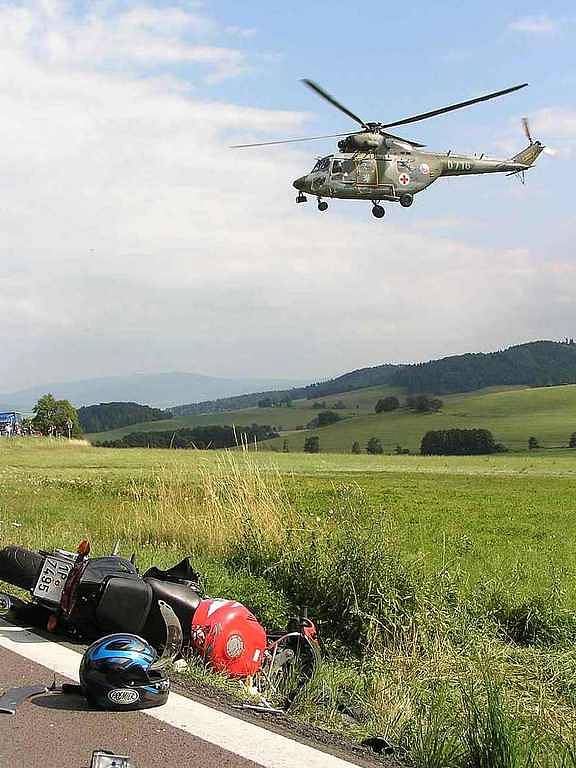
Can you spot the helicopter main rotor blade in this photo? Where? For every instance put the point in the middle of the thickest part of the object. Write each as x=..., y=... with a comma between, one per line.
x=292, y=141
x=452, y=107
x=331, y=100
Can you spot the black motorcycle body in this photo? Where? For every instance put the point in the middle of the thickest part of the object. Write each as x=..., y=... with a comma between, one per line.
x=103, y=595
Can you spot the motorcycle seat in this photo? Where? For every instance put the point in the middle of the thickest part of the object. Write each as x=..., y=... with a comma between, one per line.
x=181, y=598
x=178, y=596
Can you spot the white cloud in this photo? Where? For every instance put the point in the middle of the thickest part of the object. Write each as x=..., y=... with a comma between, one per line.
x=553, y=126
x=132, y=239
x=538, y=25
x=142, y=37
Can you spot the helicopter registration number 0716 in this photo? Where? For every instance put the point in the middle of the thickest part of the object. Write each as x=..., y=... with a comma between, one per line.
x=459, y=165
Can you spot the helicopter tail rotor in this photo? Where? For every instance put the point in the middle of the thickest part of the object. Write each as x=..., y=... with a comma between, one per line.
x=526, y=127
x=547, y=150
x=528, y=156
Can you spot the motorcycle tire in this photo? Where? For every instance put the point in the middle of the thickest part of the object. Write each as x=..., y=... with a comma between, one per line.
x=20, y=567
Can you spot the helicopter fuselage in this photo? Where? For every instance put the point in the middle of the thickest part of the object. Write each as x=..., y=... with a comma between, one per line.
x=392, y=175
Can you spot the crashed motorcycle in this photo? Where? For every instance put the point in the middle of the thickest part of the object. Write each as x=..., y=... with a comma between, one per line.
x=86, y=598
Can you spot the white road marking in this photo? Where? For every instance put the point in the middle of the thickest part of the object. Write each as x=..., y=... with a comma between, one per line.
x=244, y=739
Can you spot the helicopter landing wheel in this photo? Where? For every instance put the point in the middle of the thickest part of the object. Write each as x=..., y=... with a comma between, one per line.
x=378, y=211
x=406, y=200
x=322, y=206
x=301, y=198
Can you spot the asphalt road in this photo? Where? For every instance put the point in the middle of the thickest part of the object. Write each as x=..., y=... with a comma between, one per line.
x=61, y=731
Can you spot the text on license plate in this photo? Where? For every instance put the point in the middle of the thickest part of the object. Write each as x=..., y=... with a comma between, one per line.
x=52, y=578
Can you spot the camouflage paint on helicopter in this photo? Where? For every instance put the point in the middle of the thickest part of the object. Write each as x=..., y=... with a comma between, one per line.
x=399, y=175
x=375, y=165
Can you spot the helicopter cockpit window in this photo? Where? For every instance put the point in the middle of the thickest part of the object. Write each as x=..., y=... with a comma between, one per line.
x=322, y=165
x=337, y=168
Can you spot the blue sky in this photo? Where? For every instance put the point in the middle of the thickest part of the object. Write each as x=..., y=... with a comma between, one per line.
x=134, y=240
x=409, y=57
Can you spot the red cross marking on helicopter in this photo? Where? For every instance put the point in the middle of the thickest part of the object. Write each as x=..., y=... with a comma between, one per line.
x=404, y=179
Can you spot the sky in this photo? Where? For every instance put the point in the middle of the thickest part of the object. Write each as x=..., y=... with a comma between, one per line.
x=132, y=239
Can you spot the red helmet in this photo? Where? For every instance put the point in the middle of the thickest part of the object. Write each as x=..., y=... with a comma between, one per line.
x=229, y=637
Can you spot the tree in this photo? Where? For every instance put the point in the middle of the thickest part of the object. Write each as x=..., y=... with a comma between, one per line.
x=387, y=404
x=339, y=405
x=324, y=419
x=374, y=446
x=424, y=404
x=207, y=437
x=105, y=416
x=56, y=417
x=572, y=443
x=458, y=442
x=312, y=445
x=356, y=447
x=285, y=446
x=533, y=443
x=44, y=414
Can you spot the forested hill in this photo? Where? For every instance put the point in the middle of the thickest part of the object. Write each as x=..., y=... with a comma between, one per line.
x=379, y=375
x=538, y=364
x=100, y=418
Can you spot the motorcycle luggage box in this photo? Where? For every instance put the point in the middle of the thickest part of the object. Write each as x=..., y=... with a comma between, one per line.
x=124, y=605
x=89, y=591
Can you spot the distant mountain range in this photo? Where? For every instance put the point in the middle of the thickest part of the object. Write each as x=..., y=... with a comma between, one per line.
x=160, y=390
x=536, y=363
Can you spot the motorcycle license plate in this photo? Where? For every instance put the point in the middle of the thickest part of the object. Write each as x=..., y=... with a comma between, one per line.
x=52, y=579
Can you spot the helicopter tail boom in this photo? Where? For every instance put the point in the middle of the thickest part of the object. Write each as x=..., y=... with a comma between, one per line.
x=530, y=154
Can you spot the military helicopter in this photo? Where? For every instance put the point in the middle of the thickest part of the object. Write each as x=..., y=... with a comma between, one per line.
x=373, y=164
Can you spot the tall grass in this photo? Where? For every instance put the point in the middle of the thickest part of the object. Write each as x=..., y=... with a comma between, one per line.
x=210, y=510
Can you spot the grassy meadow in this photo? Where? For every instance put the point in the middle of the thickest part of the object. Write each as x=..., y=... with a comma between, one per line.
x=444, y=588
x=513, y=415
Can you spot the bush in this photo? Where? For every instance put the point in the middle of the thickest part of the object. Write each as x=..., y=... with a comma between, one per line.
x=354, y=586
x=312, y=445
x=572, y=441
x=100, y=418
x=401, y=451
x=533, y=443
x=374, y=446
x=324, y=419
x=387, y=404
x=356, y=447
x=458, y=442
x=424, y=404
x=205, y=437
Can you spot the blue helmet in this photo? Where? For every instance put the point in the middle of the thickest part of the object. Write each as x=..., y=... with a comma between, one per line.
x=119, y=672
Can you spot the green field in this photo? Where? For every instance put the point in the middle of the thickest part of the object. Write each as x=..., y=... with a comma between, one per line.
x=283, y=418
x=436, y=581
x=513, y=415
